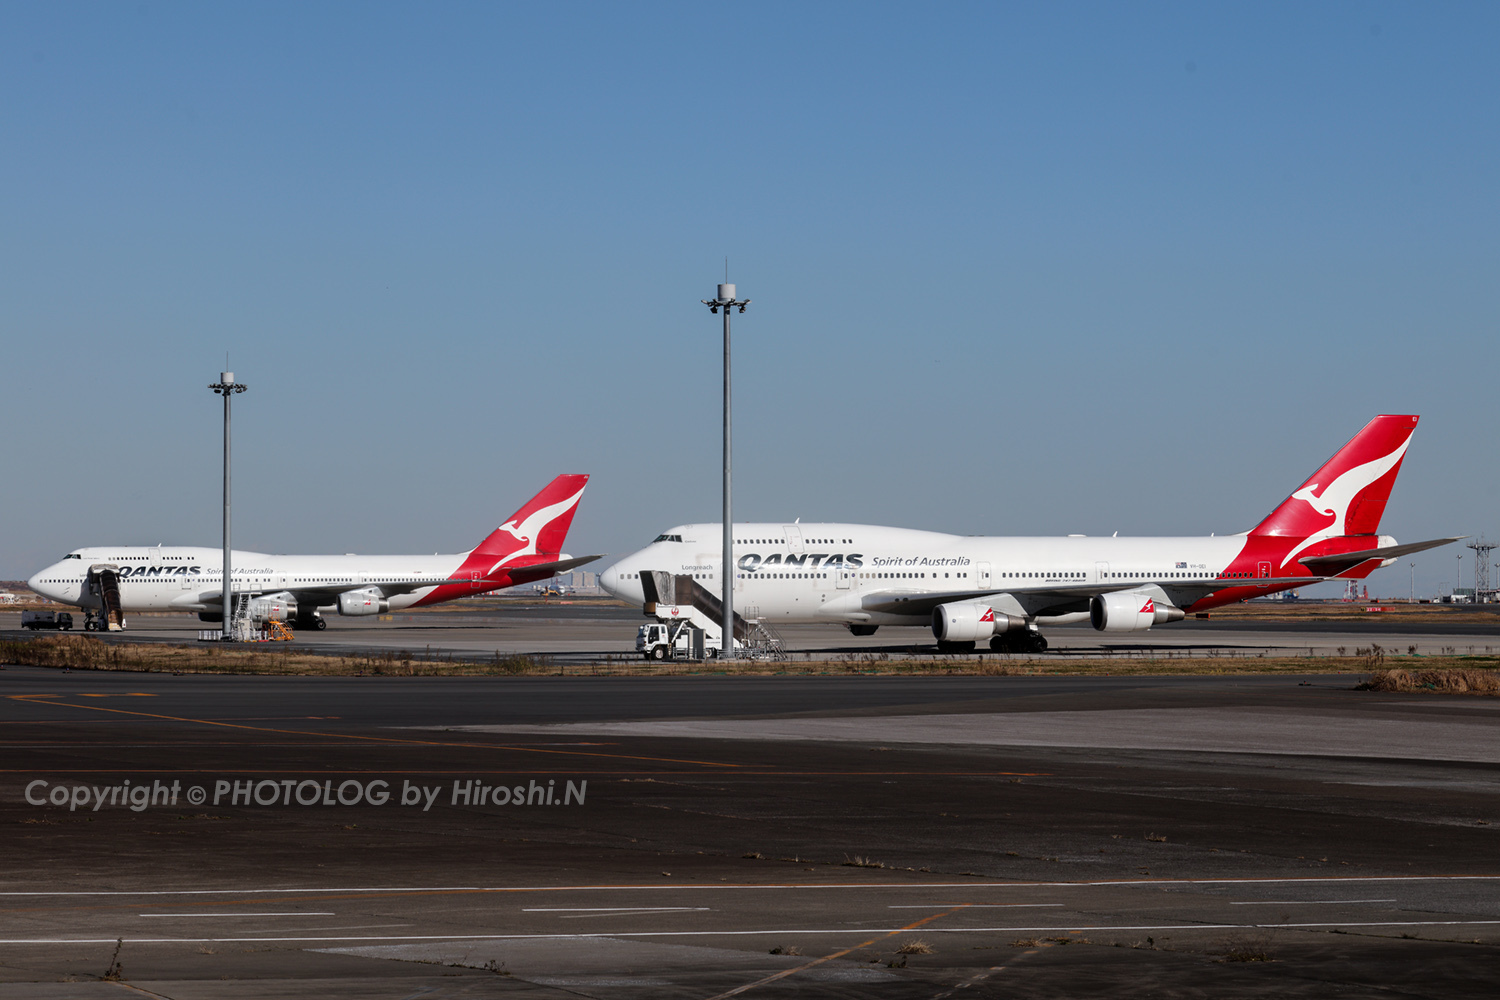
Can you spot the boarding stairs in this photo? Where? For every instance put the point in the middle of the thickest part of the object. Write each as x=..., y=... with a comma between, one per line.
x=670, y=598
x=681, y=598
x=244, y=628
x=104, y=583
x=762, y=642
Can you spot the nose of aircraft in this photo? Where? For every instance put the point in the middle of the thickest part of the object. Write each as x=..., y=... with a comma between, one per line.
x=36, y=584
x=617, y=581
x=609, y=579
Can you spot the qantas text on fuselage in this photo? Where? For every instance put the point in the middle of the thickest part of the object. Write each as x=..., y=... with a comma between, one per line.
x=526, y=548
x=969, y=588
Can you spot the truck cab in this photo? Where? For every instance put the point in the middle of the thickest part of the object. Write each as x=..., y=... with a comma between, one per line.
x=672, y=640
x=34, y=620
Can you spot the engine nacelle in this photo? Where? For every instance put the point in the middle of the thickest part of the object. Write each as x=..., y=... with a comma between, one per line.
x=968, y=622
x=282, y=607
x=369, y=601
x=1130, y=612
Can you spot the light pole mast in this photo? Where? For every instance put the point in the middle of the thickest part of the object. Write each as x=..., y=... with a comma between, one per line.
x=1482, y=550
x=226, y=387
x=725, y=300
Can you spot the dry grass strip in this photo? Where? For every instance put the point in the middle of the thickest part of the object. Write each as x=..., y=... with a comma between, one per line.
x=1452, y=680
x=1447, y=674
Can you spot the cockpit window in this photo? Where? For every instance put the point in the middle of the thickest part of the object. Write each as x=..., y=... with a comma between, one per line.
x=72, y=555
x=668, y=538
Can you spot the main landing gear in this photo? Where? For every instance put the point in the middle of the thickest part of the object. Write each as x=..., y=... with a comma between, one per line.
x=312, y=621
x=1020, y=641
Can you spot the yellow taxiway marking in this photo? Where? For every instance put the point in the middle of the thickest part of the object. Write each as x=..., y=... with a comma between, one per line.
x=838, y=954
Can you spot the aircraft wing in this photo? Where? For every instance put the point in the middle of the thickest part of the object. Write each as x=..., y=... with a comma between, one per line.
x=407, y=586
x=1061, y=598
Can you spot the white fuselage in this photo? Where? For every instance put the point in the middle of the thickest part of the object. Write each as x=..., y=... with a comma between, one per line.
x=826, y=572
x=189, y=578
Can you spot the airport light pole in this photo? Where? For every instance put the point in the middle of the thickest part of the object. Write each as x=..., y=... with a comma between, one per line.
x=725, y=300
x=226, y=387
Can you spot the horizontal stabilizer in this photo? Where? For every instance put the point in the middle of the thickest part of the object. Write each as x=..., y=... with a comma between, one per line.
x=549, y=568
x=1339, y=562
x=560, y=566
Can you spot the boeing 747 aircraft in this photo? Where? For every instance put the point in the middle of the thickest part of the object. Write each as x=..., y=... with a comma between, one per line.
x=295, y=588
x=969, y=589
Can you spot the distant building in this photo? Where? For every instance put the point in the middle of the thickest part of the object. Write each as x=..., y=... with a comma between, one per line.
x=576, y=582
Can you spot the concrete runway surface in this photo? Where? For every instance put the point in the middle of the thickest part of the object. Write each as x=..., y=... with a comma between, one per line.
x=588, y=631
x=745, y=836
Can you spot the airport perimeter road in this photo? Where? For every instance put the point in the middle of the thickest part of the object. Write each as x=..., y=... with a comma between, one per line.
x=759, y=837
x=592, y=631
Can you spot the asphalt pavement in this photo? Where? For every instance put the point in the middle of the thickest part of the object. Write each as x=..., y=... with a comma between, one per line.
x=226, y=837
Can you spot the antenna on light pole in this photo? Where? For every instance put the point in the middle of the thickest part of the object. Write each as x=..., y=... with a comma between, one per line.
x=226, y=387
x=1482, y=550
x=726, y=301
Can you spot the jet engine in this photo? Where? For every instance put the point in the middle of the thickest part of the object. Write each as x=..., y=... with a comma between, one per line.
x=968, y=622
x=282, y=607
x=369, y=601
x=1130, y=612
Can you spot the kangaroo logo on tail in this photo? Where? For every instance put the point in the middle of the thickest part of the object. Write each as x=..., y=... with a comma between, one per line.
x=1336, y=497
x=528, y=530
x=1347, y=496
x=538, y=528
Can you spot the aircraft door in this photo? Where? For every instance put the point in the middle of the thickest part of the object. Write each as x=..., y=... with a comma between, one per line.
x=794, y=539
x=843, y=576
x=1101, y=572
x=982, y=576
x=1263, y=570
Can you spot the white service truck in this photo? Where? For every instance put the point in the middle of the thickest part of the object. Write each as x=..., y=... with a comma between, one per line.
x=680, y=632
x=672, y=640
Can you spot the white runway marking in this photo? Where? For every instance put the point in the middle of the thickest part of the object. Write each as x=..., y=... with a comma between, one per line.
x=1350, y=879
x=971, y=906
x=298, y=913
x=1306, y=902
x=1062, y=928
x=611, y=909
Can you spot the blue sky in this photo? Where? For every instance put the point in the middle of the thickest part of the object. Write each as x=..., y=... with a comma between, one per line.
x=1016, y=268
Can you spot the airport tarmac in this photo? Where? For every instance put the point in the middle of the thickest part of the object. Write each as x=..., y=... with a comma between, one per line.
x=592, y=631
x=745, y=836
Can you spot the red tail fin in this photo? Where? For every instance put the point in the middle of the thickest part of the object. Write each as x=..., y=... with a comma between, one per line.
x=1348, y=494
x=538, y=528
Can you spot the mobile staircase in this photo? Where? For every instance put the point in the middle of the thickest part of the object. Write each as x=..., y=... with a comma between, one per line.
x=244, y=626
x=104, y=583
x=683, y=604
